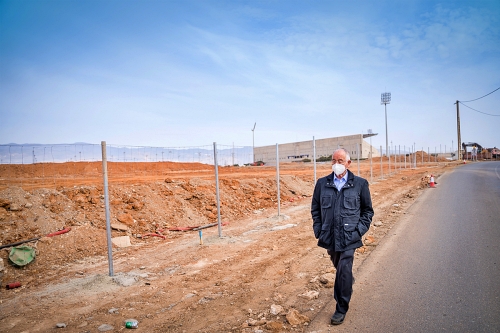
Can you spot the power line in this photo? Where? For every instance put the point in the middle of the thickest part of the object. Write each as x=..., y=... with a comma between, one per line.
x=494, y=115
x=472, y=100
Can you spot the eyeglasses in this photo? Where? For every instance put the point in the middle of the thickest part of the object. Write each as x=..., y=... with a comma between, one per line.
x=337, y=161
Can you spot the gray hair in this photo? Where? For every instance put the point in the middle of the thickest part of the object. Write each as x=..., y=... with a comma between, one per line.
x=347, y=155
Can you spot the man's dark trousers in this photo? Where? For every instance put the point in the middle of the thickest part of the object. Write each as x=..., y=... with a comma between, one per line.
x=342, y=290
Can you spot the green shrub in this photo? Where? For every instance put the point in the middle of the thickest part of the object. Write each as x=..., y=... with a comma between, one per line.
x=324, y=158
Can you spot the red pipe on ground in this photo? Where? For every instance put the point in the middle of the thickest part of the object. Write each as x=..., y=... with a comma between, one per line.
x=35, y=239
x=60, y=232
x=13, y=285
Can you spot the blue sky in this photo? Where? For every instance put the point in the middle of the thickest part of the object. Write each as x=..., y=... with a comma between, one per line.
x=190, y=73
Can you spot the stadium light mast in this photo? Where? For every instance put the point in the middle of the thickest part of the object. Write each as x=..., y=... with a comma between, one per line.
x=386, y=99
x=253, y=141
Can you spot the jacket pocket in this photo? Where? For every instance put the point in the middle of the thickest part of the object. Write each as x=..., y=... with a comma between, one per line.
x=326, y=205
x=325, y=235
x=326, y=201
x=351, y=201
x=351, y=233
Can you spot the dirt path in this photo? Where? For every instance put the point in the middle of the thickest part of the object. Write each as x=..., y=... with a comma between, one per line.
x=264, y=274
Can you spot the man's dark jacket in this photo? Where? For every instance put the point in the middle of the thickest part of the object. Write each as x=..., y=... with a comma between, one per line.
x=341, y=218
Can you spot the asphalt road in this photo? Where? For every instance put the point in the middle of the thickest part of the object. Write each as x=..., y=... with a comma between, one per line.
x=439, y=268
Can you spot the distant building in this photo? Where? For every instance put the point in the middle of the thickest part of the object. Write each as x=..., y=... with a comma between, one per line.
x=492, y=153
x=298, y=151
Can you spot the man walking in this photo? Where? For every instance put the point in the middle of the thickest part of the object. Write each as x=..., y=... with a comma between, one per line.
x=342, y=211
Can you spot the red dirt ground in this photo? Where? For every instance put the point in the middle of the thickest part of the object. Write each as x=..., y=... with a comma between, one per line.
x=260, y=275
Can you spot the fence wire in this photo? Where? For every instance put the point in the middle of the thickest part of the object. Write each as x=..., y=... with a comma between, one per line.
x=61, y=153
x=38, y=166
x=44, y=188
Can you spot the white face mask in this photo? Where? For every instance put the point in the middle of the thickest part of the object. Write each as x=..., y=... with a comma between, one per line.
x=338, y=169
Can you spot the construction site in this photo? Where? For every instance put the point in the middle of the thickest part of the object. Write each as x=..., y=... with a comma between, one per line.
x=474, y=151
x=261, y=271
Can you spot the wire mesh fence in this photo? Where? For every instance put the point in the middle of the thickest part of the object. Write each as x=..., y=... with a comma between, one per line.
x=45, y=188
x=36, y=165
x=84, y=152
x=79, y=164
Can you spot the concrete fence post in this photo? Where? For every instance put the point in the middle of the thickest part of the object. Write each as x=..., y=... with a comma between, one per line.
x=217, y=190
x=106, y=205
x=314, y=159
x=381, y=165
x=278, y=177
x=357, y=154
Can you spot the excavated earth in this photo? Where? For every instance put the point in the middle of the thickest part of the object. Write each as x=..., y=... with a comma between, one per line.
x=260, y=271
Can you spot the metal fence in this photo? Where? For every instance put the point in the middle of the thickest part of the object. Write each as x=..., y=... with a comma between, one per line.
x=77, y=164
x=83, y=152
x=46, y=171
x=38, y=166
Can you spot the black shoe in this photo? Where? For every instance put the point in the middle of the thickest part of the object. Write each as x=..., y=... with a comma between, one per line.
x=337, y=318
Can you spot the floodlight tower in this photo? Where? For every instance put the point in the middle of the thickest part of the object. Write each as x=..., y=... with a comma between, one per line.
x=253, y=142
x=386, y=99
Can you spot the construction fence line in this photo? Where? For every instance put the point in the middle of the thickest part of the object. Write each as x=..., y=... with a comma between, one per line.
x=62, y=153
x=76, y=164
x=54, y=173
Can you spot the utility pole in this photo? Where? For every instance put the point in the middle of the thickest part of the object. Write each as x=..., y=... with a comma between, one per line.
x=253, y=142
x=458, y=132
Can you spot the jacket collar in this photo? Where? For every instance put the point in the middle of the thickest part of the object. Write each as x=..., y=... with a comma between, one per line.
x=349, y=182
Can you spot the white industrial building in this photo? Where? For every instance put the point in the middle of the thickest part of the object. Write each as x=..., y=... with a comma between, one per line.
x=298, y=151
